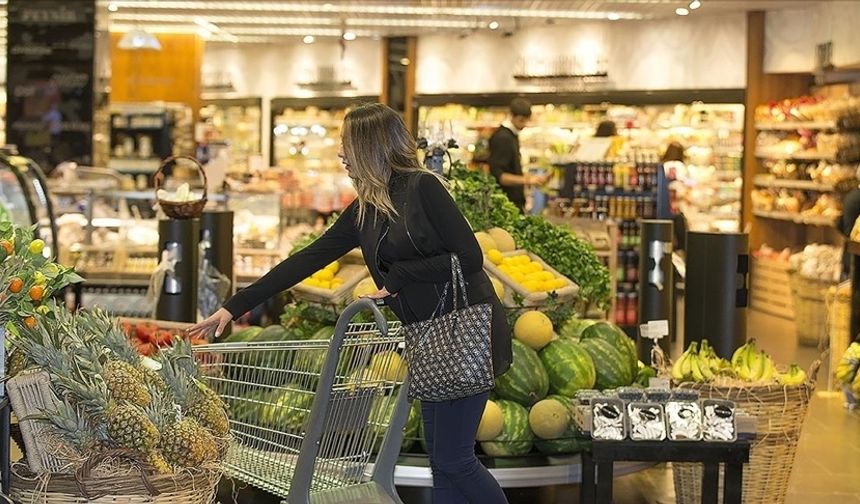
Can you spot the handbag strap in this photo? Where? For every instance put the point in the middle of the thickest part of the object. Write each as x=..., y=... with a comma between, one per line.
x=458, y=282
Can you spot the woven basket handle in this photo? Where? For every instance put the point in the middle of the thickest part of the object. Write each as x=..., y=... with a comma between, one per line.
x=158, y=177
x=84, y=473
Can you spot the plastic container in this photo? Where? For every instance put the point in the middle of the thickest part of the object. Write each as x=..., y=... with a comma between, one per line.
x=630, y=394
x=719, y=421
x=658, y=395
x=646, y=421
x=608, y=419
x=684, y=420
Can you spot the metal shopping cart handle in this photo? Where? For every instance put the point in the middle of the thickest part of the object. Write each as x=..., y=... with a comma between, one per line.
x=354, y=308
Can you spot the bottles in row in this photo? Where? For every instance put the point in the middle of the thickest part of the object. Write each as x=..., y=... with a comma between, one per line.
x=628, y=235
x=627, y=269
x=621, y=175
x=601, y=207
x=626, y=307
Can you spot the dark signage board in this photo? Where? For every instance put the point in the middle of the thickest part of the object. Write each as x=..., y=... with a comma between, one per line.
x=49, y=79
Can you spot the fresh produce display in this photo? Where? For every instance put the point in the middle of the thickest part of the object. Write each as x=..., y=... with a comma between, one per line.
x=486, y=207
x=846, y=372
x=700, y=364
x=112, y=399
x=325, y=278
x=611, y=365
x=182, y=194
x=526, y=272
x=148, y=338
x=534, y=329
x=27, y=277
x=492, y=422
x=569, y=366
x=818, y=262
x=549, y=419
x=613, y=335
x=516, y=437
x=526, y=382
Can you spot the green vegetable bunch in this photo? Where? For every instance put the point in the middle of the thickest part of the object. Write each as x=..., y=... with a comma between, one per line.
x=485, y=206
x=302, y=319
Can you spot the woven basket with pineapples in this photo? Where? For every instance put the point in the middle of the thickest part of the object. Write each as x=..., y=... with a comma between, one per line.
x=102, y=424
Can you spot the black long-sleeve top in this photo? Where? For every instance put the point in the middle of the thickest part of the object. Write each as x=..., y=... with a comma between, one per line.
x=505, y=158
x=410, y=255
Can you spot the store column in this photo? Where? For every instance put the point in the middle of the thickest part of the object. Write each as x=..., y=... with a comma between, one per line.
x=50, y=57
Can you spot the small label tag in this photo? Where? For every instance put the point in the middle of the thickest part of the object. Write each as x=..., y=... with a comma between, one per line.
x=659, y=328
x=658, y=383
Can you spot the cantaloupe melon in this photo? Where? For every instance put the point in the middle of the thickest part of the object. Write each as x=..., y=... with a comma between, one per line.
x=388, y=366
x=499, y=287
x=485, y=241
x=492, y=422
x=534, y=329
x=549, y=419
x=504, y=241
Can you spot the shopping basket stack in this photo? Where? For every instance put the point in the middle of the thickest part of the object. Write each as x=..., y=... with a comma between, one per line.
x=308, y=416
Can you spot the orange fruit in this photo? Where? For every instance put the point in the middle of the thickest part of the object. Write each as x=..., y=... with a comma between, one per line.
x=30, y=322
x=16, y=285
x=7, y=246
x=37, y=292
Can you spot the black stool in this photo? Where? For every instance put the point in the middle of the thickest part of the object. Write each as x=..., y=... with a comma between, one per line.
x=604, y=454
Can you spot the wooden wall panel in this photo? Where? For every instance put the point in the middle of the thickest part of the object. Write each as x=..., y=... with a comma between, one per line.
x=172, y=74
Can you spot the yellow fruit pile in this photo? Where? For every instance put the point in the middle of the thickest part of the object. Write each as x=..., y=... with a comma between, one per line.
x=325, y=278
x=530, y=274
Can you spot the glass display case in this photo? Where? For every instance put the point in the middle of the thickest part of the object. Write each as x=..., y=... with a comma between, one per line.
x=234, y=124
x=24, y=196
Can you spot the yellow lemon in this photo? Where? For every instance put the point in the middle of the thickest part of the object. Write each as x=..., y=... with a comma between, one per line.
x=324, y=284
x=524, y=260
x=544, y=275
x=518, y=277
x=559, y=283
x=504, y=268
x=495, y=256
x=333, y=267
x=536, y=266
x=546, y=285
x=532, y=285
x=508, y=261
x=324, y=274
x=311, y=282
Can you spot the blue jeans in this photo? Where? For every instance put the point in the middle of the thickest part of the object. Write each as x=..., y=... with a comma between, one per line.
x=458, y=476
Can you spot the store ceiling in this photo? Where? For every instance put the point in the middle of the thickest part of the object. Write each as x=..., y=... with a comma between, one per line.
x=273, y=20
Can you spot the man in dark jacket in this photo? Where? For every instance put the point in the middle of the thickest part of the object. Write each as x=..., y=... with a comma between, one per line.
x=505, y=161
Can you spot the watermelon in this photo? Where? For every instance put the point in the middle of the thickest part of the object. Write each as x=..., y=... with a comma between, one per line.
x=526, y=382
x=287, y=409
x=571, y=441
x=613, y=335
x=272, y=333
x=516, y=438
x=569, y=367
x=324, y=333
x=613, y=369
x=246, y=334
x=410, y=430
x=574, y=326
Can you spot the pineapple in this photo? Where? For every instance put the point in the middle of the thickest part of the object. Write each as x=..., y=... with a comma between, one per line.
x=16, y=363
x=187, y=444
x=74, y=429
x=155, y=459
x=195, y=398
x=125, y=383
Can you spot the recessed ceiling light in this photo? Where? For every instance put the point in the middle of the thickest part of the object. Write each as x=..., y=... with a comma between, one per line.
x=695, y=4
x=494, y=25
x=613, y=16
x=309, y=39
x=682, y=11
x=113, y=7
x=349, y=35
x=405, y=61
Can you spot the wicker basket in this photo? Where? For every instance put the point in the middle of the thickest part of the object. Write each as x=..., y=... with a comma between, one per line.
x=838, y=323
x=810, y=313
x=30, y=394
x=184, y=209
x=780, y=412
x=128, y=485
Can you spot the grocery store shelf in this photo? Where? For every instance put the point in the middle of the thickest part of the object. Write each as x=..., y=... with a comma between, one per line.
x=800, y=156
x=796, y=125
x=806, y=185
x=796, y=218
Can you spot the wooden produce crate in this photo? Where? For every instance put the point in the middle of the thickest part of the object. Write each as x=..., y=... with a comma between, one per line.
x=770, y=289
x=569, y=291
x=352, y=270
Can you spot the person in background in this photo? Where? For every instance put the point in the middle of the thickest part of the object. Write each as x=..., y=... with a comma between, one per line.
x=398, y=200
x=505, y=160
x=850, y=213
x=606, y=129
x=671, y=167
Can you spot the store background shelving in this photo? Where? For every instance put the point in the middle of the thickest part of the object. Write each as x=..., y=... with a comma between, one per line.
x=234, y=123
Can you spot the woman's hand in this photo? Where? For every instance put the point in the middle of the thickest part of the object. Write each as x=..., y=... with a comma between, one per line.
x=380, y=294
x=217, y=322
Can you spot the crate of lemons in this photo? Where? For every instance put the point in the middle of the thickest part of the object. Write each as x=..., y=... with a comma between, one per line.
x=335, y=282
x=519, y=271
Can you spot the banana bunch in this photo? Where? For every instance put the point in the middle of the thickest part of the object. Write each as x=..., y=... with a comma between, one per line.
x=794, y=376
x=846, y=371
x=753, y=365
x=699, y=363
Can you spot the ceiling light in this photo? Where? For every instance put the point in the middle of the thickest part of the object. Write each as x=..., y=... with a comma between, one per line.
x=494, y=25
x=203, y=32
x=113, y=7
x=613, y=16
x=681, y=11
x=309, y=39
x=348, y=35
x=695, y=4
x=404, y=61
x=137, y=39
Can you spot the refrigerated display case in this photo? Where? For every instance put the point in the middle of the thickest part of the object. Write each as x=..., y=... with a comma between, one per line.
x=234, y=123
x=24, y=196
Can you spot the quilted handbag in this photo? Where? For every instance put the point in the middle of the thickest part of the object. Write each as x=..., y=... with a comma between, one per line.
x=450, y=355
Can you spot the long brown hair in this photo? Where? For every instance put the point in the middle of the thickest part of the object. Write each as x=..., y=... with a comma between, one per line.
x=377, y=144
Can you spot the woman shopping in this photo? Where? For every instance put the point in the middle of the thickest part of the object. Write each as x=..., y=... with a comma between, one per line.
x=412, y=236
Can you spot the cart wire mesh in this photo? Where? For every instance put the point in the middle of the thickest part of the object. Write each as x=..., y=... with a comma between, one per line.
x=273, y=388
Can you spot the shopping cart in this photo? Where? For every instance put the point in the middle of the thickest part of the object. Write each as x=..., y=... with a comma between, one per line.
x=308, y=416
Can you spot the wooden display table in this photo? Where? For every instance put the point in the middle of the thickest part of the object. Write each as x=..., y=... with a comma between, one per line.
x=604, y=454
